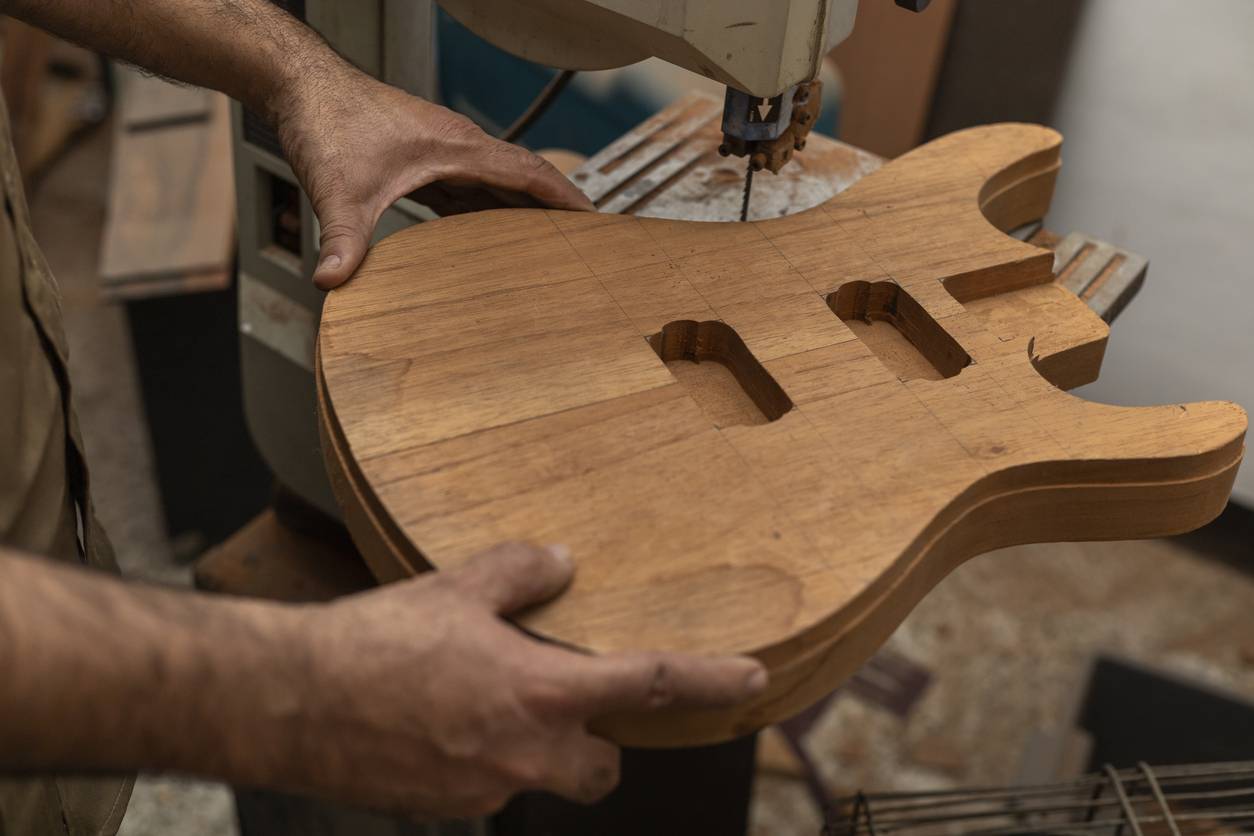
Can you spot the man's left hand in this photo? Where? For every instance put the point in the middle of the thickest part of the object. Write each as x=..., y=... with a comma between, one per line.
x=358, y=145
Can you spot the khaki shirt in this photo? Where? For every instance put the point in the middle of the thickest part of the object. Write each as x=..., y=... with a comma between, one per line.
x=45, y=503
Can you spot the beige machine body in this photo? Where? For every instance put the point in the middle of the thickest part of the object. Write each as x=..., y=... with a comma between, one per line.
x=768, y=52
x=759, y=47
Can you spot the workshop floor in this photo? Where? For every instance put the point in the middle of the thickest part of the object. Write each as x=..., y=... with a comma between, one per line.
x=1007, y=638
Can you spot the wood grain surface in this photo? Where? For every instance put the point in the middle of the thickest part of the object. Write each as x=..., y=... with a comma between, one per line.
x=769, y=438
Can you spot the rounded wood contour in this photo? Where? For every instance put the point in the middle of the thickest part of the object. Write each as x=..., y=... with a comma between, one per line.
x=524, y=374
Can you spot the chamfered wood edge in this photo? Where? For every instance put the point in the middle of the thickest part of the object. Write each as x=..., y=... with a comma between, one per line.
x=383, y=546
x=1088, y=512
x=1184, y=492
x=811, y=664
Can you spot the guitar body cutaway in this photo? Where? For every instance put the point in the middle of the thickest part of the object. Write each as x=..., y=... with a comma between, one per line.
x=769, y=438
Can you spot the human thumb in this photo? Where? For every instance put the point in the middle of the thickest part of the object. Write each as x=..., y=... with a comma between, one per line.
x=345, y=238
x=513, y=576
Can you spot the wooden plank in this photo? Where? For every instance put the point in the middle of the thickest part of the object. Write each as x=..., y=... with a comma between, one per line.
x=495, y=377
x=171, y=211
x=148, y=287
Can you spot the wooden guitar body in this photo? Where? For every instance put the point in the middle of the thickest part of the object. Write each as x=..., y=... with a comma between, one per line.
x=769, y=438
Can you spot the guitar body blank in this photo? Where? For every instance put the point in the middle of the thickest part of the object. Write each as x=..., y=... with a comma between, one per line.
x=769, y=438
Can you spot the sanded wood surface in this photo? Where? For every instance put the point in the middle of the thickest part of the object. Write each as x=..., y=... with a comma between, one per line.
x=863, y=416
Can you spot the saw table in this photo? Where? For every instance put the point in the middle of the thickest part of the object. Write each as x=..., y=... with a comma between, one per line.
x=669, y=167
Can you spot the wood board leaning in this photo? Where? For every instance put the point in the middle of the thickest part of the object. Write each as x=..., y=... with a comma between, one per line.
x=769, y=438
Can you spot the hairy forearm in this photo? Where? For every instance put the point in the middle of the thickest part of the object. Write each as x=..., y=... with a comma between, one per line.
x=249, y=49
x=415, y=697
x=103, y=675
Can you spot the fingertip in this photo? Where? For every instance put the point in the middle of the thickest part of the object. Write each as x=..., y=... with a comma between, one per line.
x=744, y=679
x=522, y=549
x=757, y=680
x=561, y=566
x=552, y=564
x=584, y=769
x=514, y=575
x=561, y=553
x=553, y=188
x=718, y=681
x=576, y=200
x=330, y=273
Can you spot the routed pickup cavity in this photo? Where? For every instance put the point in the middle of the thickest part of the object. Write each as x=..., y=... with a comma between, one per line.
x=720, y=373
x=898, y=330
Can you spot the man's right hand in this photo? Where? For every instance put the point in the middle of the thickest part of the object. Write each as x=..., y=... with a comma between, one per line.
x=422, y=700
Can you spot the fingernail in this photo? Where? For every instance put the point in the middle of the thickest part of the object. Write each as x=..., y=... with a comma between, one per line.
x=560, y=552
x=757, y=681
x=331, y=262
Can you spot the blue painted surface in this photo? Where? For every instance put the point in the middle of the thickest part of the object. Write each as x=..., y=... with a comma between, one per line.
x=493, y=88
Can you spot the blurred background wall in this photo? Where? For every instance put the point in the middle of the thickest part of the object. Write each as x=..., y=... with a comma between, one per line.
x=1158, y=114
x=1155, y=101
